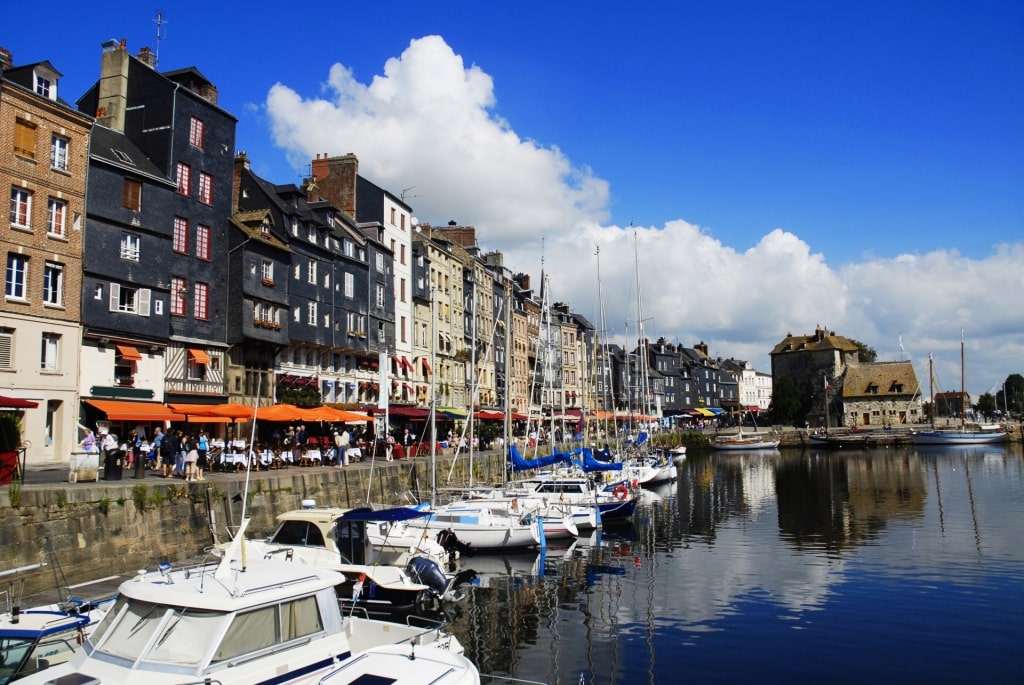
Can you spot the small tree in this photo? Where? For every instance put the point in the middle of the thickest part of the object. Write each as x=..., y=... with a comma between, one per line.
x=865, y=354
x=785, y=405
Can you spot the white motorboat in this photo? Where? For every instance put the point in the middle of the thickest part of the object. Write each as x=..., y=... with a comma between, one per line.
x=352, y=541
x=234, y=623
x=404, y=664
x=479, y=527
x=45, y=635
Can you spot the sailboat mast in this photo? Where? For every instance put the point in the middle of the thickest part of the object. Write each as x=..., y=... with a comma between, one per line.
x=645, y=400
x=433, y=393
x=963, y=383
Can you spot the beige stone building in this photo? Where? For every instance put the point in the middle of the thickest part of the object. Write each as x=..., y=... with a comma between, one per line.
x=881, y=394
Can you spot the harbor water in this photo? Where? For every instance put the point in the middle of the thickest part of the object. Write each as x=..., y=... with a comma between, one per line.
x=891, y=565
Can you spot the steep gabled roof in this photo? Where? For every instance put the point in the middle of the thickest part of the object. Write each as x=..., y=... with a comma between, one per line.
x=881, y=379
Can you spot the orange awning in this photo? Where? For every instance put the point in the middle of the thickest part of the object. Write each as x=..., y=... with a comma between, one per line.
x=199, y=413
x=198, y=356
x=129, y=352
x=123, y=410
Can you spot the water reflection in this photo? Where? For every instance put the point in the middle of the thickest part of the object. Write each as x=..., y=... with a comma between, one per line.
x=748, y=548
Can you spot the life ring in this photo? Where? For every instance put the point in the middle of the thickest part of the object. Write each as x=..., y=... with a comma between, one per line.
x=620, y=492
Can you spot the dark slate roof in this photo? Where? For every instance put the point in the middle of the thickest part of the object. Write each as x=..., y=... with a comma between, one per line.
x=814, y=342
x=116, y=149
x=885, y=376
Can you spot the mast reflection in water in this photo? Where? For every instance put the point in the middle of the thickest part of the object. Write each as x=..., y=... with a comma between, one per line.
x=850, y=567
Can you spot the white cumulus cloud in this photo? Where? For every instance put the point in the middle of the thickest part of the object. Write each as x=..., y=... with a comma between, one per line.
x=429, y=125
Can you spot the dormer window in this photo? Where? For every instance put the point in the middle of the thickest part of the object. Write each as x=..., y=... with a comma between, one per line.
x=44, y=81
x=265, y=227
x=44, y=87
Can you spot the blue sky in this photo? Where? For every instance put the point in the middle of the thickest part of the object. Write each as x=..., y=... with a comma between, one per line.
x=783, y=165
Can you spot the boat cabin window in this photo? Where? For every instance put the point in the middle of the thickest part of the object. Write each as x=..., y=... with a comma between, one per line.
x=264, y=628
x=301, y=533
x=175, y=635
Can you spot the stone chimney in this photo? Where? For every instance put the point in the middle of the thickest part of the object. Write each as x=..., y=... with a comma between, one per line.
x=113, y=86
x=6, y=60
x=335, y=178
x=702, y=347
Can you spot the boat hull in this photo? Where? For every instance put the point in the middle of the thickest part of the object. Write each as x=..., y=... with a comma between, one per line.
x=956, y=437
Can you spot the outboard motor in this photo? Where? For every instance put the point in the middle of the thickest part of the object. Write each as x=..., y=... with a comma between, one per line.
x=427, y=572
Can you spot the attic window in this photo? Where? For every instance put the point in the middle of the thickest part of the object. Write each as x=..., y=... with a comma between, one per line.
x=122, y=156
x=896, y=388
x=265, y=227
x=872, y=389
x=45, y=87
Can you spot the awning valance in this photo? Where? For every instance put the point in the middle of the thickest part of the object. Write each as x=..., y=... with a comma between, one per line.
x=129, y=352
x=198, y=356
x=16, y=403
x=123, y=410
x=701, y=411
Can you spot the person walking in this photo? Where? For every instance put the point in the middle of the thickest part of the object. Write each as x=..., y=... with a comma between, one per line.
x=191, y=457
x=169, y=449
x=89, y=442
x=154, y=451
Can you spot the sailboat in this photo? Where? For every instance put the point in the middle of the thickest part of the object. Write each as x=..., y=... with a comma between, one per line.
x=740, y=441
x=966, y=433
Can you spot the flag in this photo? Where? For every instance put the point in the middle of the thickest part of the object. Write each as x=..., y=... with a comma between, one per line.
x=901, y=342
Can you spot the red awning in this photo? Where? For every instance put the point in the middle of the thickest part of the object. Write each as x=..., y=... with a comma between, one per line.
x=16, y=403
x=408, y=365
x=426, y=364
x=408, y=386
x=129, y=352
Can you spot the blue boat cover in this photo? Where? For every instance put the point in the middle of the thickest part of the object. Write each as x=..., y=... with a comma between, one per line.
x=520, y=464
x=391, y=514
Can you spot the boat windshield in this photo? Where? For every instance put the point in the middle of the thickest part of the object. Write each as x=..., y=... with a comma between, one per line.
x=13, y=651
x=158, y=633
x=144, y=632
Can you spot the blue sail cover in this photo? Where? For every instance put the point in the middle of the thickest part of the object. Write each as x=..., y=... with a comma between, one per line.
x=391, y=514
x=604, y=454
x=589, y=463
x=520, y=464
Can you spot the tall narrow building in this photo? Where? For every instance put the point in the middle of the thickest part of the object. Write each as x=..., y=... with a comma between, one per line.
x=44, y=144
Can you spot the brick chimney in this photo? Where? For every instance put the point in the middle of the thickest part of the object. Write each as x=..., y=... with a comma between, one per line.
x=6, y=60
x=241, y=164
x=336, y=179
x=147, y=57
x=113, y=86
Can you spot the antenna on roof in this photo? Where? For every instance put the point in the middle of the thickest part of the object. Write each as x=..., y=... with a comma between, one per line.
x=160, y=21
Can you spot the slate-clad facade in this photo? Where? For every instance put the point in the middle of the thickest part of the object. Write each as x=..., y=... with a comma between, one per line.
x=173, y=119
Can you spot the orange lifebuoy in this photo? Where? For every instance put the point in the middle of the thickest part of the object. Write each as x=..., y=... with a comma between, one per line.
x=620, y=492
x=636, y=483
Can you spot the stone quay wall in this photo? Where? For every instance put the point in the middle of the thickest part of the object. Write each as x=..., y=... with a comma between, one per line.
x=86, y=531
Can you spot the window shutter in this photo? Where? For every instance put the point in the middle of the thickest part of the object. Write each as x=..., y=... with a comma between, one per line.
x=6, y=345
x=145, y=295
x=115, y=296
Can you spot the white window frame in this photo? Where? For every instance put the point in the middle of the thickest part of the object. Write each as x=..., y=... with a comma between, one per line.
x=267, y=270
x=56, y=217
x=311, y=271
x=53, y=284
x=21, y=208
x=49, y=353
x=311, y=313
x=139, y=303
x=131, y=245
x=59, y=152
x=350, y=285
x=16, y=277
